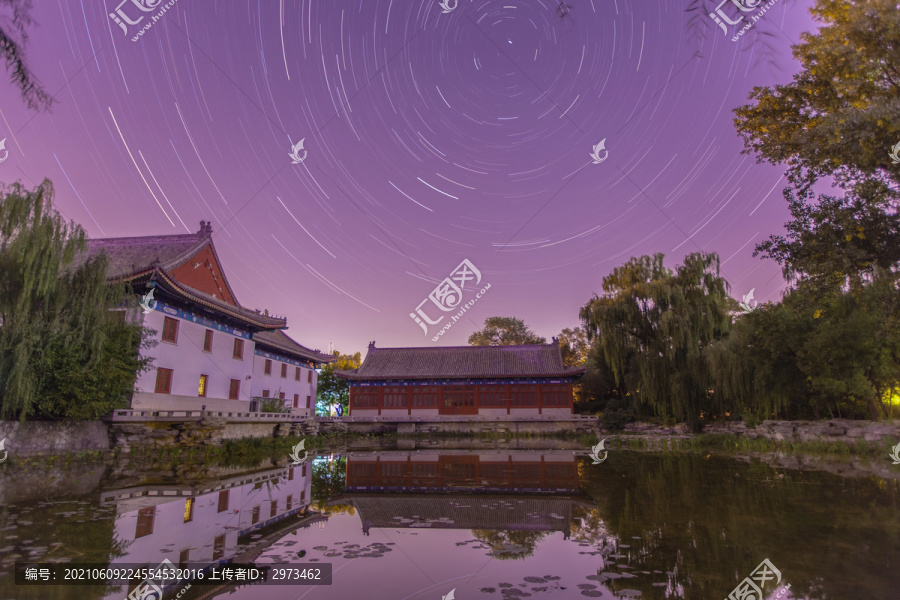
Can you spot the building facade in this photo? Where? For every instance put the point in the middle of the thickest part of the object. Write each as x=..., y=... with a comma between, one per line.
x=284, y=369
x=210, y=351
x=527, y=380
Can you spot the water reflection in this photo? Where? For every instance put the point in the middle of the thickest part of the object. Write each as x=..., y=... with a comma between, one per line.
x=193, y=525
x=411, y=525
x=520, y=496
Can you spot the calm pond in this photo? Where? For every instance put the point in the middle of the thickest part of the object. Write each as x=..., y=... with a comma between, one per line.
x=412, y=525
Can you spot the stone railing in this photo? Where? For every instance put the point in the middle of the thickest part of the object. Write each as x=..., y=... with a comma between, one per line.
x=451, y=418
x=137, y=416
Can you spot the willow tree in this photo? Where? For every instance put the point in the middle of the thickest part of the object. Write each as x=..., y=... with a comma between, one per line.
x=63, y=352
x=13, y=38
x=660, y=326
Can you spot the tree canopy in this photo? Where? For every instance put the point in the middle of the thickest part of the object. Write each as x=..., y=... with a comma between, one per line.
x=332, y=390
x=505, y=331
x=67, y=349
x=840, y=115
x=658, y=326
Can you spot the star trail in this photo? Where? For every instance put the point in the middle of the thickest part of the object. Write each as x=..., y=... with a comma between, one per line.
x=429, y=137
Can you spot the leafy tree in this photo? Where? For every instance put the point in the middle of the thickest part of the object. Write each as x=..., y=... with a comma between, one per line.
x=13, y=38
x=332, y=390
x=574, y=347
x=63, y=352
x=660, y=325
x=598, y=386
x=505, y=331
x=814, y=354
x=839, y=241
x=840, y=115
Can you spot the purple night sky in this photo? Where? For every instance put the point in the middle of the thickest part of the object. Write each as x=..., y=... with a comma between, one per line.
x=467, y=136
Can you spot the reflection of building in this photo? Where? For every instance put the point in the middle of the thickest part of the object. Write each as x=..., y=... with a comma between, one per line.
x=201, y=525
x=515, y=490
x=467, y=380
x=211, y=351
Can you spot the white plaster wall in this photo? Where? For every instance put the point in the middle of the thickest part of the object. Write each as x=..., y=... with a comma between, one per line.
x=290, y=386
x=188, y=361
x=144, y=401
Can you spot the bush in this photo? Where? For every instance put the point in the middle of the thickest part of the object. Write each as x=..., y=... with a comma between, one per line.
x=273, y=405
x=617, y=414
x=751, y=420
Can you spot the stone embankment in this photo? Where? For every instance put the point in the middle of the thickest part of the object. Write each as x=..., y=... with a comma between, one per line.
x=40, y=438
x=835, y=430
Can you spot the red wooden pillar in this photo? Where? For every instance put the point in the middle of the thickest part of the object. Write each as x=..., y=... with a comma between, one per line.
x=540, y=399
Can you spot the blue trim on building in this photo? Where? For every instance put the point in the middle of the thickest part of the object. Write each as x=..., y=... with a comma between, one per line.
x=200, y=320
x=290, y=361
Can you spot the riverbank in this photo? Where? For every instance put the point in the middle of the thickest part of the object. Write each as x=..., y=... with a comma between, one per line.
x=850, y=448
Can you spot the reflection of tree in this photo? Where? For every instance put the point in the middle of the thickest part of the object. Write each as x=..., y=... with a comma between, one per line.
x=711, y=522
x=328, y=478
x=322, y=505
x=509, y=545
x=587, y=526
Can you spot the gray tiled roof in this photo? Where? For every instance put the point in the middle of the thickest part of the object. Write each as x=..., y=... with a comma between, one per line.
x=133, y=255
x=462, y=362
x=280, y=342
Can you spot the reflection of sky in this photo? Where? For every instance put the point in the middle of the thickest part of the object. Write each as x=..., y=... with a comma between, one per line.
x=426, y=564
x=461, y=129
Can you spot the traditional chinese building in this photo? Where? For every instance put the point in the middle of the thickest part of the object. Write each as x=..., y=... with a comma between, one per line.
x=211, y=351
x=465, y=380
